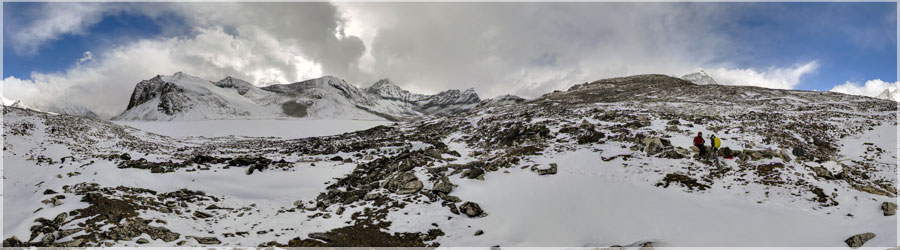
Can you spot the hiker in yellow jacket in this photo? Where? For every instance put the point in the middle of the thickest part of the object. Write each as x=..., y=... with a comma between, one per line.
x=714, y=144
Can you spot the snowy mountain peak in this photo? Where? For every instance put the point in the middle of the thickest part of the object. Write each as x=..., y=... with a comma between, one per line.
x=699, y=77
x=892, y=93
x=240, y=85
x=388, y=90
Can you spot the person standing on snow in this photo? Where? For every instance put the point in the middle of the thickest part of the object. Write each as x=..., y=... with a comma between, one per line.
x=698, y=142
x=714, y=144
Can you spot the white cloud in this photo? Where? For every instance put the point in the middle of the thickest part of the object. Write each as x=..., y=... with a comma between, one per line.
x=498, y=48
x=52, y=20
x=105, y=86
x=777, y=78
x=871, y=88
x=87, y=57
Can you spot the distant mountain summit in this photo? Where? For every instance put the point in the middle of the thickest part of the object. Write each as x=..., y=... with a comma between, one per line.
x=891, y=93
x=699, y=77
x=184, y=97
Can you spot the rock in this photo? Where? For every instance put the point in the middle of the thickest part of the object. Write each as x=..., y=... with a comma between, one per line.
x=471, y=209
x=56, y=202
x=142, y=241
x=371, y=196
x=798, y=152
x=474, y=173
x=453, y=208
x=298, y=203
x=889, y=208
x=337, y=158
x=320, y=236
x=48, y=239
x=823, y=173
x=548, y=171
x=201, y=215
x=13, y=242
x=207, y=240
x=405, y=183
x=61, y=217
x=443, y=187
x=49, y=191
x=479, y=232
x=653, y=146
x=858, y=240
x=451, y=198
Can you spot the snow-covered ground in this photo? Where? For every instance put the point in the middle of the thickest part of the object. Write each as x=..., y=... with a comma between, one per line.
x=597, y=203
x=283, y=128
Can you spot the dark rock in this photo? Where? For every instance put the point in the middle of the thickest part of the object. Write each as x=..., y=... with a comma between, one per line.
x=142, y=241
x=471, y=209
x=207, y=240
x=49, y=191
x=337, y=158
x=201, y=215
x=442, y=187
x=889, y=208
x=405, y=183
x=479, y=232
x=858, y=240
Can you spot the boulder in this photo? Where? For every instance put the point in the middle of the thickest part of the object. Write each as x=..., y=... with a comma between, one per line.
x=889, y=208
x=471, y=209
x=405, y=183
x=443, y=187
x=653, y=145
x=546, y=171
x=201, y=215
x=207, y=240
x=371, y=196
x=858, y=240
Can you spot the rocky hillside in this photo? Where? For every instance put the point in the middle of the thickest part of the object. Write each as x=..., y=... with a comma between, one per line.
x=184, y=97
x=595, y=165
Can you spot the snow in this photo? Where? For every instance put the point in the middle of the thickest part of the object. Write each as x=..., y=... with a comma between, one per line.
x=284, y=128
x=591, y=203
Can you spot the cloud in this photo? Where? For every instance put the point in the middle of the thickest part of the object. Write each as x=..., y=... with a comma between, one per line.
x=497, y=48
x=49, y=21
x=776, y=78
x=87, y=57
x=211, y=54
x=529, y=48
x=871, y=88
x=283, y=43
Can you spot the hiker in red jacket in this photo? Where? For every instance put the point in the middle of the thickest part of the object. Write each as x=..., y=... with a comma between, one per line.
x=698, y=142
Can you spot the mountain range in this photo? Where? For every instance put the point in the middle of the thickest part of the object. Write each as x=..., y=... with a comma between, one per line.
x=184, y=97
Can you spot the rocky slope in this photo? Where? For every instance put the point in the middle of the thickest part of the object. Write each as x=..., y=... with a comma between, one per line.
x=184, y=97
x=595, y=165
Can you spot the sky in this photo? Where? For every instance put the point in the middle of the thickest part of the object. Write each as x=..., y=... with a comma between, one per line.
x=92, y=54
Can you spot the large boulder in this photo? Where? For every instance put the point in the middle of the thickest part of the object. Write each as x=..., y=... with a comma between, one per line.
x=653, y=145
x=442, y=187
x=858, y=240
x=405, y=183
x=471, y=209
x=889, y=208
